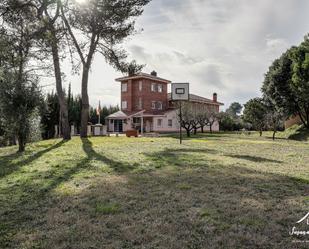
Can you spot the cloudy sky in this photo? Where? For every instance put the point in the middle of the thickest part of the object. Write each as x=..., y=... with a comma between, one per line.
x=222, y=46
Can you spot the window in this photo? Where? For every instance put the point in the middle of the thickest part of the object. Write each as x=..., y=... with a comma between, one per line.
x=140, y=103
x=153, y=104
x=159, y=122
x=153, y=87
x=124, y=105
x=140, y=85
x=160, y=88
x=124, y=87
x=159, y=105
x=170, y=123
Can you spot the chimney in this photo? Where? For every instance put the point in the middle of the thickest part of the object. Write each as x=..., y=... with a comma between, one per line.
x=215, y=97
x=154, y=73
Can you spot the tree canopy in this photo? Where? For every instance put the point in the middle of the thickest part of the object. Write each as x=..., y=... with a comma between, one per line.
x=286, y=83
x=255, y=113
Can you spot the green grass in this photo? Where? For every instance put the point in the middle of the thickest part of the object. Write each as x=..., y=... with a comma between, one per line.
x=214, y=191
x=107, y=208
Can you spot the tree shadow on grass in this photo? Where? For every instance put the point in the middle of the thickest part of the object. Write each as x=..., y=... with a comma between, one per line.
x=256, y=159
x=210, y=207
x=30, y=197
x=217, y=207
x=7, y=167
x=93, y=155
x=205, y=135
x=179, y=157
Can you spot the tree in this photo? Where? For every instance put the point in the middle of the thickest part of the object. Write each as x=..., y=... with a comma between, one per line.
x=188, y=118
x=274, y=120
x=50, y=112
x=255, y=112
x=48, y=30
x=300, y=79
x=202, y=120
x=286, y=83
x=19, y=92
x=103, y=24
x=226, y=122
x=211, y=118
x=234, y=110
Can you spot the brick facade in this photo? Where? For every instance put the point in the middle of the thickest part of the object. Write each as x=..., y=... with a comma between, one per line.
x=139, y=95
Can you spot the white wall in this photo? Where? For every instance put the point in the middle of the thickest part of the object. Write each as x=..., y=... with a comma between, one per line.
x=164, y=127
x=173, y=115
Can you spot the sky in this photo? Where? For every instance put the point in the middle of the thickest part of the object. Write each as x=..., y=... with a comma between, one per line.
x=223, y=46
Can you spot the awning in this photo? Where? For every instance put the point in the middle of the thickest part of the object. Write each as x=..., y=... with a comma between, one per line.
x=117, y=115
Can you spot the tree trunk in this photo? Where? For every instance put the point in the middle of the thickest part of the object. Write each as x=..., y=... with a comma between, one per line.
x=303, y=120
x=210, y=128
x=202, y=129
x=195, y=131
x=274, y=134
x=260, y=133
x=307, y=117
x=188, y=132
x=61, y=98
x=21, y=143
x=85, y=103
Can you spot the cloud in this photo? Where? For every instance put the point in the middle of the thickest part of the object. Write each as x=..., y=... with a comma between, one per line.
x=216, y=45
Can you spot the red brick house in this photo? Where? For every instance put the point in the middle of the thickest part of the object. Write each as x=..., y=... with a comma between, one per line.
x=145, y=102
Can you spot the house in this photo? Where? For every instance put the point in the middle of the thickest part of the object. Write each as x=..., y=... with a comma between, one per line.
x=146, y=104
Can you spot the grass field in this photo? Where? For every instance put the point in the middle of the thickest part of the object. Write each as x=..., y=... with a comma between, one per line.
x=214, y=191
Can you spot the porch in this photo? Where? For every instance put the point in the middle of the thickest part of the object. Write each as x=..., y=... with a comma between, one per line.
x=121, y=122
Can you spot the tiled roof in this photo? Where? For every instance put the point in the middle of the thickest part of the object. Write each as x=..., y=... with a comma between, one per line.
x=196, y=98
x=143, y=75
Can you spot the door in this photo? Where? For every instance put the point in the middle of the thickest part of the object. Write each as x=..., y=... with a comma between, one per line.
x=118, y=126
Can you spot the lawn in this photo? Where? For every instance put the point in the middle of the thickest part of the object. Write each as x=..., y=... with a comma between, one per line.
x=214, y=191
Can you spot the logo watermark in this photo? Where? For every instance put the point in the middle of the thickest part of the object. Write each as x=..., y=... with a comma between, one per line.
x=301, y=230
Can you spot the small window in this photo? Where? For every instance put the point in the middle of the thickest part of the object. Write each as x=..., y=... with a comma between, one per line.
x=170, y=123
x=124, y=87
x=140, y=103
x=159, y=122
x=140, y=86
x=153, y=104
x=160, y=88
x=153, y=87
x=124, y=104
x=159, y=105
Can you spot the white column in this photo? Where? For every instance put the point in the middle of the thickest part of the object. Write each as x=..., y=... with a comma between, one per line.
x=89, y=130
x=72, y=130
x=142, y=125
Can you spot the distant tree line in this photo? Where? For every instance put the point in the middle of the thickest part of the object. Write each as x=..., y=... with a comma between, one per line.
x=50, y=113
